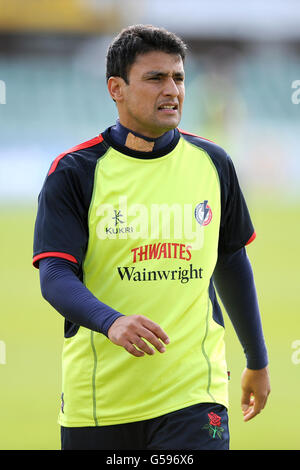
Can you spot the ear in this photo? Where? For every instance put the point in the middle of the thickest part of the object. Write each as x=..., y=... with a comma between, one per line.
x=115, y=87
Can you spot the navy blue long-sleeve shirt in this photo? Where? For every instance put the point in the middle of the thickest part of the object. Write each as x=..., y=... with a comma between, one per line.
x=233, y=279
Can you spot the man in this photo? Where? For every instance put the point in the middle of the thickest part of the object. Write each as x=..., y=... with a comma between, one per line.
x=134, y=228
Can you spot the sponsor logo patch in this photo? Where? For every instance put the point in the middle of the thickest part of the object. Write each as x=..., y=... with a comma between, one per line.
x=203, y=213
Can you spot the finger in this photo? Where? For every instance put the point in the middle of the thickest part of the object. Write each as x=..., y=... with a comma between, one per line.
x=248, y=409
x=251, y=413
x=259, y=403
x=255, y=408
x=246, y=401
x=143, y=346
x=131, y=349
x=156, y=330
x=149, y=336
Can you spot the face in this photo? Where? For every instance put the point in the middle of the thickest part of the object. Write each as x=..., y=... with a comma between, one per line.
x=151, y=104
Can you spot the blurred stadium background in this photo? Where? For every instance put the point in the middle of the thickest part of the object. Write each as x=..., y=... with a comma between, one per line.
x=243, y=63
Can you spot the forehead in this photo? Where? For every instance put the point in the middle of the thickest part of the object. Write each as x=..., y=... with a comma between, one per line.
x=157, y=61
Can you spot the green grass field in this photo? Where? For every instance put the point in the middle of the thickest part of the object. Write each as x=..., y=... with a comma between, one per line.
x=32, y=333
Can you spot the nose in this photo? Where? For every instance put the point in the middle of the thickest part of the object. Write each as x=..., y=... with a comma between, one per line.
x=170, y=88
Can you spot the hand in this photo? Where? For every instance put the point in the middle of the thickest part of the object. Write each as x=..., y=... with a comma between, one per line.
x=255, y=391
x=128, y=331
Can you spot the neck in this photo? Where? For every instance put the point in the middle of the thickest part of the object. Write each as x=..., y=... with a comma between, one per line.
x=135, y=141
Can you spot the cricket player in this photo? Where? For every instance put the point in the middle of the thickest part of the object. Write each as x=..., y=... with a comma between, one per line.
x=135, y=230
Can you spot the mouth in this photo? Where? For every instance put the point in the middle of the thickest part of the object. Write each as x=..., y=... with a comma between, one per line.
x=168, y=108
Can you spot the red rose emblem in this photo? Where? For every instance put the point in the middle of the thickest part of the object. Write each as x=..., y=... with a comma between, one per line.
x=214, y=427
x=214, y=419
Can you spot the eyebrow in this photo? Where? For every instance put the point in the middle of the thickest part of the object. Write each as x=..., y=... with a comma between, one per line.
x=158, y=73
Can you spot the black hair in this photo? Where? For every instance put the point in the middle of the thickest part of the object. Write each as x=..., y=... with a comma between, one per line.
x=139, y=39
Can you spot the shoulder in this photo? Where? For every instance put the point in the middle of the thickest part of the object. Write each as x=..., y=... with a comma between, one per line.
x=217, y=154
x=71, y=174
x=80, y=156
x=213, y=149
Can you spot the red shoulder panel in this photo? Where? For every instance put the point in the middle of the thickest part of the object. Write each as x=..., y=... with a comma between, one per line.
x=88, y=143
